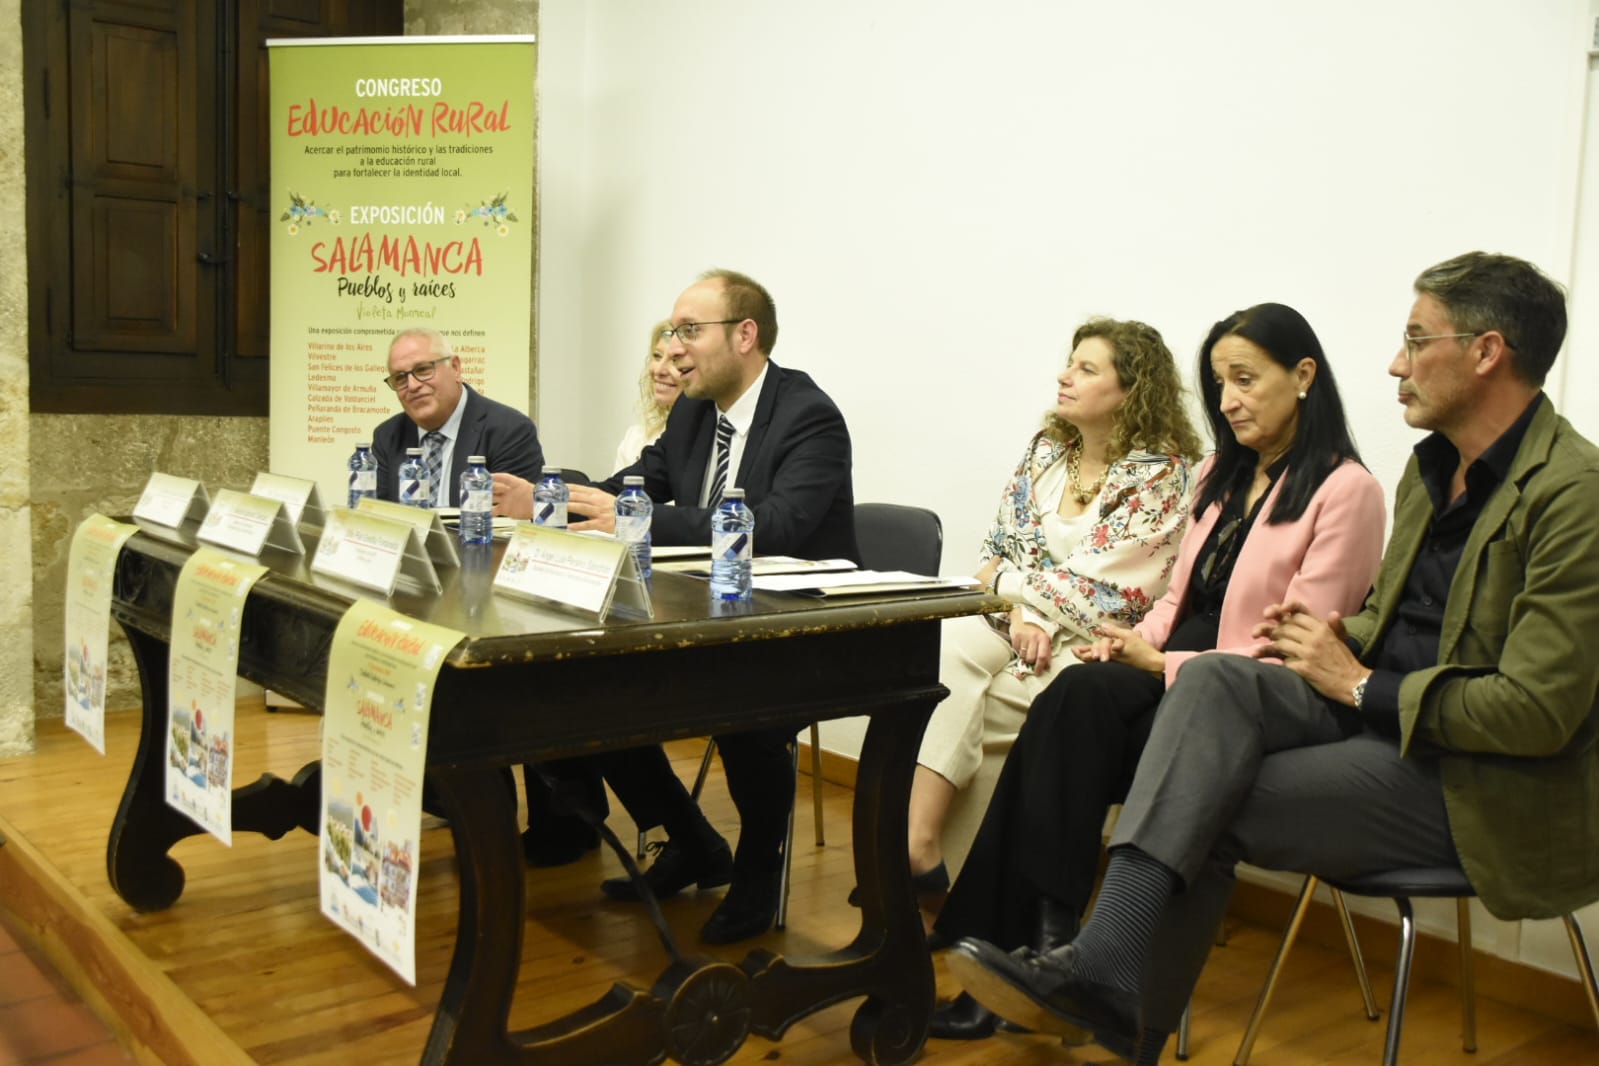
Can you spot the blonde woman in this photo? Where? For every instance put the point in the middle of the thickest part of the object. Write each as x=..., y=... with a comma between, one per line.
x=659, y=387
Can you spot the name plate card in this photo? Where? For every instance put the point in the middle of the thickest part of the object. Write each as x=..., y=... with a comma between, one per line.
x=91, y=562
x=246, y=523
x=171, y=501
x=439, y=541
x=202, y=686
x=298, y=495
x=382, y=671
x=371, y=551
x=590, y=573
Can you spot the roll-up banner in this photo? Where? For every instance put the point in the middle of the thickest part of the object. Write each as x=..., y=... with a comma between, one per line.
x=403, y=185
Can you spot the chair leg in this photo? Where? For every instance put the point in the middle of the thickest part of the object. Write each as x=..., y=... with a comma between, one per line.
x=705, y=768
x=1407, y=954
x=1468, y=977
x=816, y=781
x=1367, y=1000
x=788, y=851
x=1579, y=948
x=643, y=839
x=1183, y=1026
x=1301, y=906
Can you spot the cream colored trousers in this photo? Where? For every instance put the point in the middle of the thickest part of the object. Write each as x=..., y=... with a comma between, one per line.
x=986, y=703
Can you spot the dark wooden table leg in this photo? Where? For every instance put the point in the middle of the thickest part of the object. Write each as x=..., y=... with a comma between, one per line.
x=888, y=960
x=145, y=827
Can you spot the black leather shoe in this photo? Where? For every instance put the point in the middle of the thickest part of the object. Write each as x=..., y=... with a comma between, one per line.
x=962, y=1018
x=1046, y=993
x=674, y=869
x=748, y=909
x=927, y=883
x=542, y=847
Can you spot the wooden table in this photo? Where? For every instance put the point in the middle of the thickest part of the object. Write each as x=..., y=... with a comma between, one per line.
x=539, y=683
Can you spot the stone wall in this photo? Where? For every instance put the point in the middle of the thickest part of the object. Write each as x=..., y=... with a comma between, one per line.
x=16, y=595
x=441, y=18
x=86, y=463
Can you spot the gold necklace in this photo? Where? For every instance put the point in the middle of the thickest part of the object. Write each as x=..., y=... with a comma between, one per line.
x=1074, y=467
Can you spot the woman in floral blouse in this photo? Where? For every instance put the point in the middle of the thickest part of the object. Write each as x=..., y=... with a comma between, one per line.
x=1086, y=533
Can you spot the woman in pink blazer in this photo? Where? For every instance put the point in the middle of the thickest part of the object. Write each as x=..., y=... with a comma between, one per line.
x=1285, y=511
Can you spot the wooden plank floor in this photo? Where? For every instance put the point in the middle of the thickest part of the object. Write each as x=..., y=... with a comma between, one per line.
x=248, y=946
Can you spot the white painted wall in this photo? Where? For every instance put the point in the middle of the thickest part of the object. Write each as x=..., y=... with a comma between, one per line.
x=936, y=193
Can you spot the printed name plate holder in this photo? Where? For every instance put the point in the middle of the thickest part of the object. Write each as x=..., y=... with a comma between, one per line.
x=373, y=551
x=299, y=495
x=440, y=542
x=247, y=523
x=171, y=505
x=591, y=574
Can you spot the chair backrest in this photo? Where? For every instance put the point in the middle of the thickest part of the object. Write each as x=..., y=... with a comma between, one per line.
x=895, y=537
x=573, y=476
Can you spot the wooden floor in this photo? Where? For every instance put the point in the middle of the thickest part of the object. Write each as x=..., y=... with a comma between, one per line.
x=247, y=945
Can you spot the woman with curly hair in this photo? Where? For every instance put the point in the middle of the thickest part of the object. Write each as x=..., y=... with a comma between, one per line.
x=1285, y=511
x=1086, y=534
x=658, y=387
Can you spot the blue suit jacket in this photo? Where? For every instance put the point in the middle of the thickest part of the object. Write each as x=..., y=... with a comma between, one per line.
x=795, y=472
x=503, y=435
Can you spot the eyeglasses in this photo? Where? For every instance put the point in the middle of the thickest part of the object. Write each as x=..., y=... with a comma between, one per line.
x=1414, y=343
x=688, y=332
x=419, y=372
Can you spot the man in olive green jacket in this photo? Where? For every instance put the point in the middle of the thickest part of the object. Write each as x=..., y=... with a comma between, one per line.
x=1452, y=723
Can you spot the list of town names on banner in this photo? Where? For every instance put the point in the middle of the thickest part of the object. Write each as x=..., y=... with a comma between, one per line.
x=403, y=178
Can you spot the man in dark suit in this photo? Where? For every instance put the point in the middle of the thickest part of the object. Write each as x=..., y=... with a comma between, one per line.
x=788, y=448
x=447, y=419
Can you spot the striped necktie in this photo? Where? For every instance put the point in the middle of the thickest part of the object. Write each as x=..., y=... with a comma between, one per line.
x=724, y=447
x=432, y=458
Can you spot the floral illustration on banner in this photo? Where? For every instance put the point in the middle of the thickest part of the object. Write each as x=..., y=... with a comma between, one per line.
x=492, y=212
x=302, y=212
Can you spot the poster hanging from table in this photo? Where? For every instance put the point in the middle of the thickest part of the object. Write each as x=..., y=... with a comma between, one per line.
x=403, y=175
x=381, y=674
x=90, y=563
x=202, y=686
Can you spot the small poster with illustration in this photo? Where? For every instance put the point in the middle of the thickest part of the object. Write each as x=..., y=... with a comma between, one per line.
x=382, y=670
x=91, y=561
x=202, y=685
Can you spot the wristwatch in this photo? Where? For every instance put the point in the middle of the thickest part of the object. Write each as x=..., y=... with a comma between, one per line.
x=1359, y=691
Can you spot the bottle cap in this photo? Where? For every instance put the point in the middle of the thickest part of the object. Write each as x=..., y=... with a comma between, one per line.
x=413, y=451
x=476, y=460
x=362, y=444
x=549, y=470
x=634, y=479
x=733, y=494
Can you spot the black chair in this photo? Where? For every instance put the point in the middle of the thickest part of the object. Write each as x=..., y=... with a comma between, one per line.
x=1402, y=886
x=891, y=536
x=573, y=476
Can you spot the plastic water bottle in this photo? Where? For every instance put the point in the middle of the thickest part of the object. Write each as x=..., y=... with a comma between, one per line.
x=415, y=489
x=633, y=511
x=732, y=545
x=363, y=474
x=477, y=502
x=549, y=499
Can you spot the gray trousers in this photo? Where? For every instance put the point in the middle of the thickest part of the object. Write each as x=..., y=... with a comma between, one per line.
x=1247, y=763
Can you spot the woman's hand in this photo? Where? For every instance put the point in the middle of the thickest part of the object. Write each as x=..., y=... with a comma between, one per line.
x=986, y=572
x=1121, y=644
x=1031, y=644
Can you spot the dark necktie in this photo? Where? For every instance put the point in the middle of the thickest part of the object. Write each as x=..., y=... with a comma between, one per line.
x=432, y=457
x=724, y=447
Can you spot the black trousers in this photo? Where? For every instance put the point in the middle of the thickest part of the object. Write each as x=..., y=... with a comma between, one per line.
x=760, y=778
x=1074, y=757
